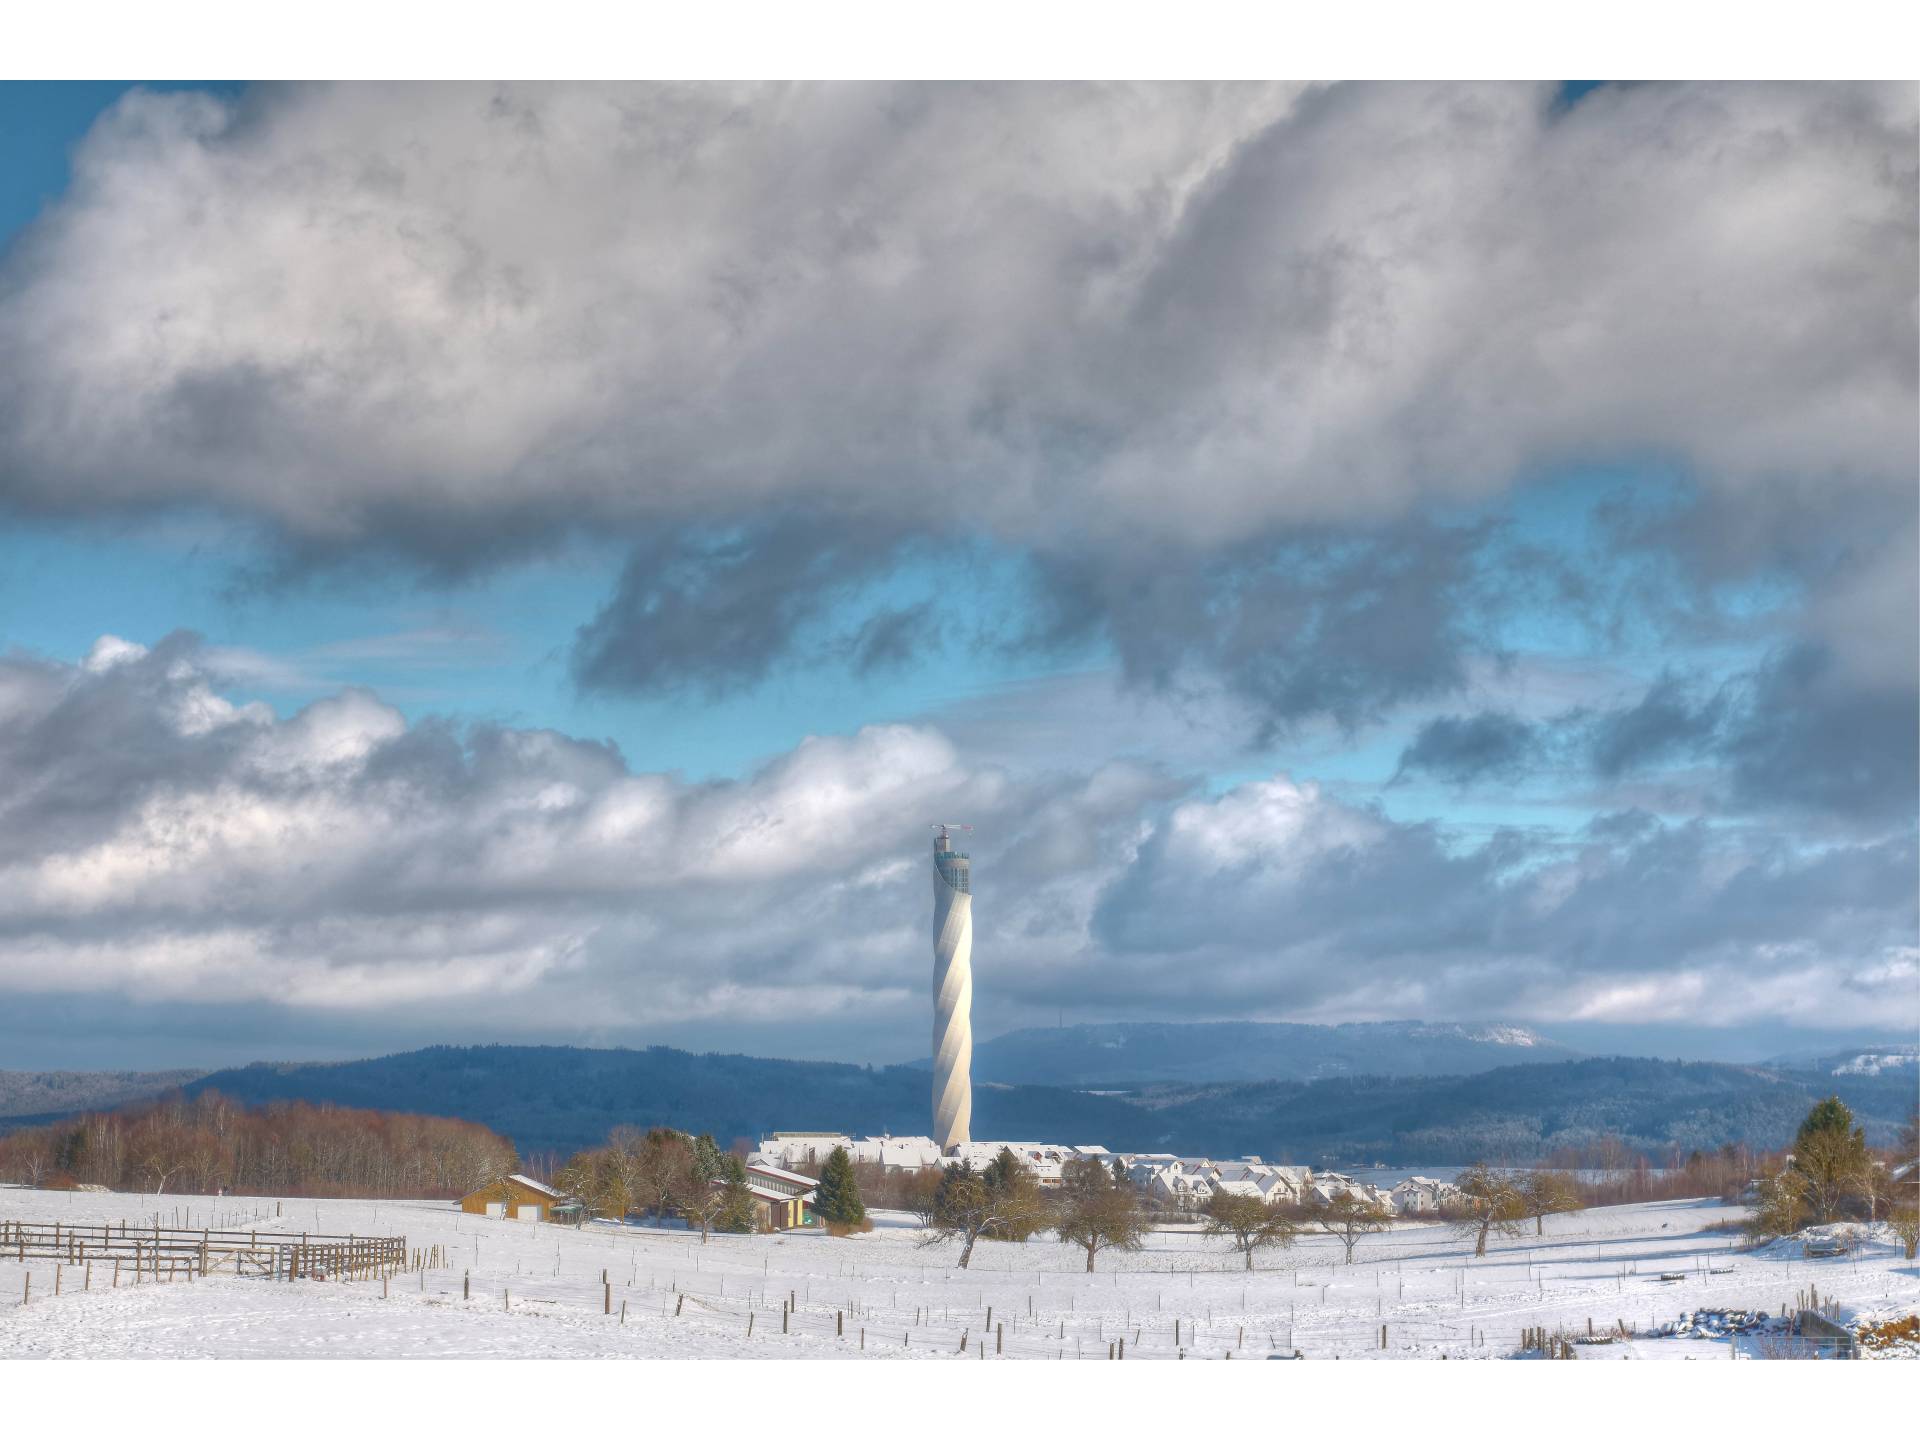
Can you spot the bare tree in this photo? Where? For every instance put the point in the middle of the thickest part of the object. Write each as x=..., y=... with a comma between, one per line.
x=663, y=1170
x=919, y=1191
x=1490, y=1203
x=1093, y=1212
x=702, y=1205
x=1905, y=1220
x=1547, y=1192
x=31, y=1154
x=970, y=1204
x=1780, y=1207
x=1349, y=1218
x=1250, y=1223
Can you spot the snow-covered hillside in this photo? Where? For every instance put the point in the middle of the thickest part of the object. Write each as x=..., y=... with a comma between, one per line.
x=1879, y=1062
x=536, y=1290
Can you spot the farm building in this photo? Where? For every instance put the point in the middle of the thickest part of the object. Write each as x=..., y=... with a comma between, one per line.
x=515, y=1197
x=779, y=1196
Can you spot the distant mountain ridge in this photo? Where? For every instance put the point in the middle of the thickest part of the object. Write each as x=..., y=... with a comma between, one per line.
x=553, y=1098
x=1150, y=1052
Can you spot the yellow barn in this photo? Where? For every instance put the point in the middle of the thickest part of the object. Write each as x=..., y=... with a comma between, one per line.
x=513, y=1197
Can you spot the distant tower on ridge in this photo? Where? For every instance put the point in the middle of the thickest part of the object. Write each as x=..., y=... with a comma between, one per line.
x=952, y=991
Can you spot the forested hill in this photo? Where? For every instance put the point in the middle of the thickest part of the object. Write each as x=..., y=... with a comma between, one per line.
x=59, y=1092
x=1521, y=1112
x=561, y=1099
x=550, y=1098
x=1139, y=1053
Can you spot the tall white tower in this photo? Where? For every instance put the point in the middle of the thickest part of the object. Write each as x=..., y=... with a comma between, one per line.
x=952, y=992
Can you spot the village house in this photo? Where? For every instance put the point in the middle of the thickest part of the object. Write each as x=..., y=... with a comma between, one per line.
x=1421, y=1196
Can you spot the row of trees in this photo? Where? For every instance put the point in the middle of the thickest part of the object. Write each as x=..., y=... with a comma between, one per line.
x=662, y=1172
x=211, y=1144
x=1095, y=1208
x=1492, y=1202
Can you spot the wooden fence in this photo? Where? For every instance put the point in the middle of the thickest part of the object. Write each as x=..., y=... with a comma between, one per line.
x=155, y=1252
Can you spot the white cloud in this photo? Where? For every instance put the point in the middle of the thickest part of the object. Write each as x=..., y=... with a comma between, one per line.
x=340, y=861
x=449, y=317
x=109, y=651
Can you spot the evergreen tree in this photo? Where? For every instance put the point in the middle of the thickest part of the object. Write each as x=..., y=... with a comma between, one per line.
x=736, y=1209
x=838, y=1198
x=1830, y=1114
x=1119, y=1171
x=957, y=1182
x=1003, y=1170
x=706, y=1159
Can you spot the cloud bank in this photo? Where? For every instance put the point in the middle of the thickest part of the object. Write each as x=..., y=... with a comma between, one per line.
x=162, y=843
x=1199, y=354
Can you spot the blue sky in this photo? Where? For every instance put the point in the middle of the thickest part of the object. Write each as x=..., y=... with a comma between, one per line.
x=1266, y=509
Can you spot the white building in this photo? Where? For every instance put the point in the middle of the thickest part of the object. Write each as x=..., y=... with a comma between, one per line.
x=811, y=1147
x=1042, y=1160
x=788, y=1148
x=1421, y=1196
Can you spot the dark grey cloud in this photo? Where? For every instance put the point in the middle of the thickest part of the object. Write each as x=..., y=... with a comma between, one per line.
x=895, y=636
x=1464, y=749
x=1797, y=734
x=1666, y=723
x=1344, y=626
x=716, y=611
x=1813, y=738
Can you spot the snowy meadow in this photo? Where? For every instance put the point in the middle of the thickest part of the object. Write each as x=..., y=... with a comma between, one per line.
x=510, y=1289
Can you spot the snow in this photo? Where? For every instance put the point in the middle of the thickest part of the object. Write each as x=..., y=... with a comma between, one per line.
x=1875, y=1064
x=536, y=1291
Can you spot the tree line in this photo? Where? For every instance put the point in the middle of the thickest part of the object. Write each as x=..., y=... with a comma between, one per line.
x=210, y=1144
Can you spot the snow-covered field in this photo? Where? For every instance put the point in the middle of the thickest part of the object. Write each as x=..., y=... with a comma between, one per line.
x=537, y=1291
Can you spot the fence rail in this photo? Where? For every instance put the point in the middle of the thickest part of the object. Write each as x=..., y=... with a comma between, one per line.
x=157, y=1250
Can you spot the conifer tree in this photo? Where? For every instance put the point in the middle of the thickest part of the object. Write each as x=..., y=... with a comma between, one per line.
x=706, y=1159
x=837, y=1200
x=736, y=1205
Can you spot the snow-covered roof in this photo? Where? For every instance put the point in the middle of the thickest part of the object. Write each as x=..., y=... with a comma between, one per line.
x=533, y=1184
x=778, y=1197
x=761, y=1167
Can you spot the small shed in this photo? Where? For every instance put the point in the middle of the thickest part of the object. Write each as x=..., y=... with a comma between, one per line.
x=513, y=1197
